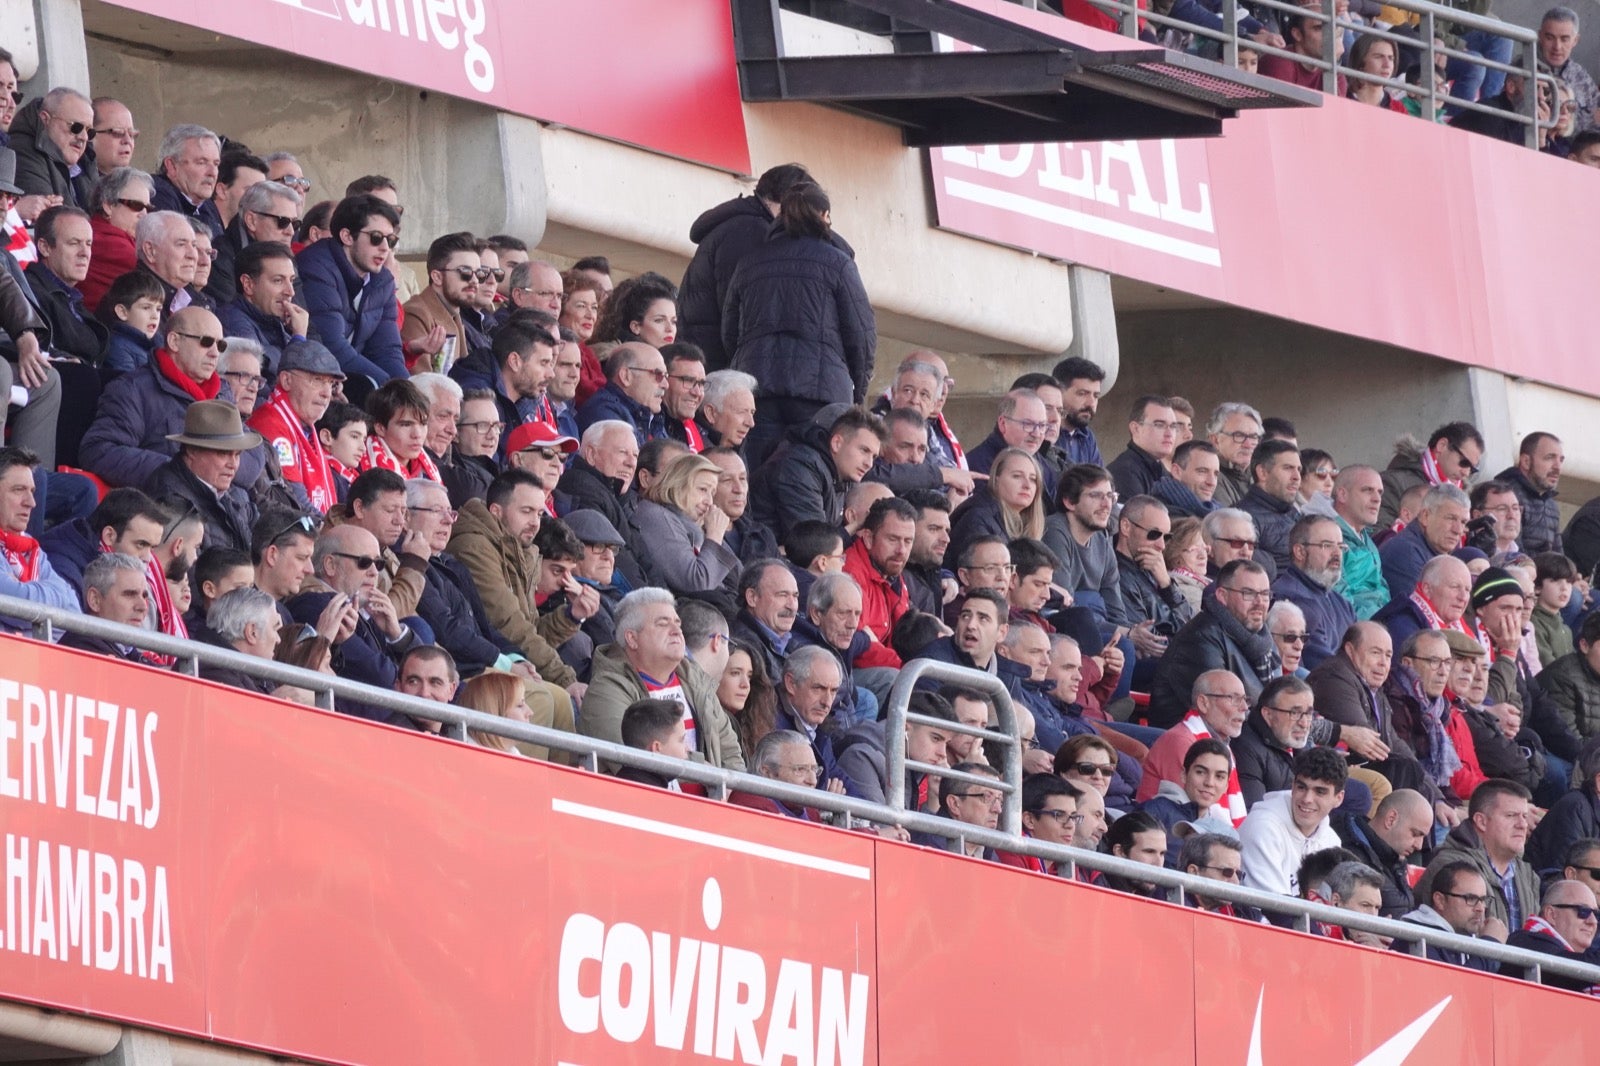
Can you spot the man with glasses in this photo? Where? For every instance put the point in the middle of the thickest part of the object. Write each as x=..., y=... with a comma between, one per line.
x=686, y=389
x=1493, y=839
x=1438, y=529
x=537, y=448
x=141, y=413
x=50, y=136
x=782, y=755
x=1234, y=430
x=1220, y=708
x=433, y=334
x=1459, y=904
x=351, y=297
x=1082, y=542
x=636, y=385
x=1152, y=603
x=1230, y=535
x=970, y=804
x=1229, y=634
x=1415, y=688
x=1152, y=437
x=1216, y=856
x=1020, y=424
x=1310, y=582
x=1274, y=496
x=1451, y=457
x=471, y=464
x=114, y=136
x=1564, y=928
x=1049, y=813
x=1498, y=502
x=268, y=212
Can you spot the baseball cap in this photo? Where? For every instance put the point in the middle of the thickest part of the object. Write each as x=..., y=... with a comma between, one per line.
x=539, y=435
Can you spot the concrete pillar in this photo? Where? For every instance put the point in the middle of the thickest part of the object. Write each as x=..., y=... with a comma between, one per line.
x=1094, y=322
x=63, y=58
x=137, y=1048
x=1491, y=413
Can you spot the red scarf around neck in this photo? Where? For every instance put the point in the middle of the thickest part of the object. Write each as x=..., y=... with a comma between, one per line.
x=298, y=448
x=22, y=554
x=378, y=455
x=168, y=368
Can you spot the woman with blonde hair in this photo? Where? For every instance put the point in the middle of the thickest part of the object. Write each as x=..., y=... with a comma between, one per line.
x=1009, y=504
x=502, y=695
x=677, y=529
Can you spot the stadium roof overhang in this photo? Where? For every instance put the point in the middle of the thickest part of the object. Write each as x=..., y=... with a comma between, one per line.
x=1023, y=86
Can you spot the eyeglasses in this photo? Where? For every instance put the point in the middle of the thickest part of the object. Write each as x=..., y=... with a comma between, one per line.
x=17, y=96
x=1160, y=426
x=208, y=254
x=483, y=427
x=1250, y=595
x=1238, y=544
x=73, y=128
x=993, y=799
x=1238, y=436
x=378, y=239
x=543, y=453
x=448, y=512
x=1592, y=871
x=1061, y=817
x=1227, y=873
x=243, y=379
x=1297, y=715
x=993, y=569
x=1293, y=638
x=1100, y=496
x=1027, y=424
x=205, y=342
x=1149, y=534
x=1476, y=901
x=1093, y=769
x=659, y=375
x=363, y=562
x=1327, y=545
x=1231, y=697
x=1504, y=510
x=543, y=294
x=281, y=221
x=803, y=769
x=1583, y=911
x=1431, y=661
x=121, y=133
x=692, y=384
x=137, y=206
x=302, y=185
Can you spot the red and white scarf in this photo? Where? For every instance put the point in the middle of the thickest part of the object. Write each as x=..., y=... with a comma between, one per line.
x=168, y=619
x=1231, y=806
x=17, y=239
x=1431, y=471
x=378, y=456
x=22, y=555
x=1431, y=616
x=298, y=449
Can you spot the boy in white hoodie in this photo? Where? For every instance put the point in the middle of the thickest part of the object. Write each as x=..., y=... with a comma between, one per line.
x=1284, y=827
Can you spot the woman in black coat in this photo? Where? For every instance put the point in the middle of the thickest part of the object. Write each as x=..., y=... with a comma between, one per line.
x=798, y=319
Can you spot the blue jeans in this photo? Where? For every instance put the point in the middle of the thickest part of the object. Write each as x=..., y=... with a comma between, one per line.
x=1472, y=82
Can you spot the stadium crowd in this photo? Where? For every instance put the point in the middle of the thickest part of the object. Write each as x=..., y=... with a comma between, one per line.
x=676, y=517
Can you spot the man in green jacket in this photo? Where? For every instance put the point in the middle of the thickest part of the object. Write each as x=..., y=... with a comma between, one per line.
x=648, y=661
x=1357, y=495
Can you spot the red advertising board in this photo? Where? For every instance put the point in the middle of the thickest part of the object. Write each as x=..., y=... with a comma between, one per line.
x=194, y=859
x=658, y=75
x=1346, y=217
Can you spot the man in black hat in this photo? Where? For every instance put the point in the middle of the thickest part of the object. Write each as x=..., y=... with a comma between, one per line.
x=204, y=469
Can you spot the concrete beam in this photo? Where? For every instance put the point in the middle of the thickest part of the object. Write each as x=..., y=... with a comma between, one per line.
x=63, y=58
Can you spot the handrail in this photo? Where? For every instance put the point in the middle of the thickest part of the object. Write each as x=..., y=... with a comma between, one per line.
x=898, y=714
x=1129, y=14
x=720, y=782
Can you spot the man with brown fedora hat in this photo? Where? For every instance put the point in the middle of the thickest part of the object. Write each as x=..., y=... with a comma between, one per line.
x=204, y=469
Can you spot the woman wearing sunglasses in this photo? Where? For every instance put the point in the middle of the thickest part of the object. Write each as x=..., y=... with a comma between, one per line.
x=120, y=200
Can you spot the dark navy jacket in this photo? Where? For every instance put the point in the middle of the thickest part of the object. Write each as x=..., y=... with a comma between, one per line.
x=365, y=341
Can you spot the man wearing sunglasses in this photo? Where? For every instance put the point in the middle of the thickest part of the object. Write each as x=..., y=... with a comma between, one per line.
x=1564, y=928
x=142, y=412
x=351, y=297
x=1229, y=634
x=267, y=211
x=434, y=335
x=1450, y=458
x=1149, y=596
x=50, y=136
x=1316, y=551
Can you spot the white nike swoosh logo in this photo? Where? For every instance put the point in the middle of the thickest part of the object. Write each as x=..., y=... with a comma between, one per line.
x=1392, y=1052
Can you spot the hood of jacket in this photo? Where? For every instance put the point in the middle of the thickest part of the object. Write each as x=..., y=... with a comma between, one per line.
x=474, y=518
x=1426, y=915
x=738, y=207
x=25, y=124
x=1275, y=807
x=1407, y=454
x=1173, y=791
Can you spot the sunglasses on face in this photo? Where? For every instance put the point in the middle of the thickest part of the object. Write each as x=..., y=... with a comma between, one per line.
x=305, y=523
x=136, y=206
x=206, y=342
x=363, y=562
x=73, y=128
x=466, y=273
x=485, y=273
x=301, y=184
x=1583, y=911
x=379, y=239
x=16, y=96
x=1092, y=769
x=285, y=222
x=121, y=133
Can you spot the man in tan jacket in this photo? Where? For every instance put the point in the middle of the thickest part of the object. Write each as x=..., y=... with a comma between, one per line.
x=433, y=335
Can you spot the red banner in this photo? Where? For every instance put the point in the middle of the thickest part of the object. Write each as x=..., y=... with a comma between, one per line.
x=198, y=860
x=658, y=75
x=1426, y=237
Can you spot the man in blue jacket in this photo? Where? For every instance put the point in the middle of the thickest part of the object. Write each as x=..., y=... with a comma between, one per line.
x=265, y=311
x=1437, y=530
x=636, y=384
x=1316, y=551
x=350, y=296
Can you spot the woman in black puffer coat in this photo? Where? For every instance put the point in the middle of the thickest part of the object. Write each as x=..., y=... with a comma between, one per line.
x=798, y=319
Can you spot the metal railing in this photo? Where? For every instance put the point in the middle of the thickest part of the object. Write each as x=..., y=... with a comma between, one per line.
x=847, y=811
x=1432, y=21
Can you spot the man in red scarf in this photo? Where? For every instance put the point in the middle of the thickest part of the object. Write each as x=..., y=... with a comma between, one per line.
x=400, y=415
x=307, y=376
x=139, y=412
x=26, y=573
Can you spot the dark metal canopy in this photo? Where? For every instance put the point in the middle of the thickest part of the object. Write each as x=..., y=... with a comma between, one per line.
x=1025, y=86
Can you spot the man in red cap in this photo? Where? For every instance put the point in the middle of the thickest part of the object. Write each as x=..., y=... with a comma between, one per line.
x=541, y=450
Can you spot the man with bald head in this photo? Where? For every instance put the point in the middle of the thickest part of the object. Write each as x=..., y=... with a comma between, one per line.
x=1348, y=689
x=1440, y=599
x=1564, y=928
x=1219, y=711
x=1357, y=498
x=1020, y=424
x=370, y=638
x=1397, y=830
x=139, y=412
x=115, y=136
x=636, y=383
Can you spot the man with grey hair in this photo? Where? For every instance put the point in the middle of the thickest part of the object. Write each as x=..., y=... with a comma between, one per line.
x=782, y=755
x=444, y=410
x=114, y=590
x=1234, y=429
x=1564, y=928
x=728, y=411
x=1558, y=38
x=167, y=249
x=832, y=621
x=807, y=690
x=1316, y=550
x=190, y=157
x=1437, y=530
x=649, y=661
x=1230, y=534
x=1354, y=886
x=241, y=367
x=537, y=285
x=1215, y=856
x=50, y=136
x=268, y=211
x=283, y=167
x=599, y=476
x=1020, y=424
x=246, y=620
